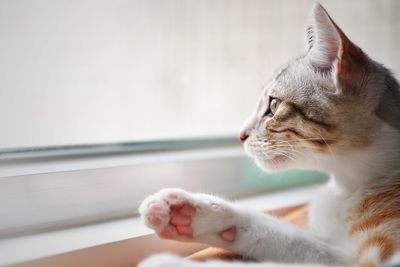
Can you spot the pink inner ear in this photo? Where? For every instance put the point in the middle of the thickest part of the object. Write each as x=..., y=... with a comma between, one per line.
x=350, y=66
x=339, y=71
x=328, y=43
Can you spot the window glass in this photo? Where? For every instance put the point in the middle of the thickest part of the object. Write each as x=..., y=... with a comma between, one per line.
x=87, y=72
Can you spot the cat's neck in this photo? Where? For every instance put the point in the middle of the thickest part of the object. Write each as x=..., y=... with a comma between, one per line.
x=371, y=166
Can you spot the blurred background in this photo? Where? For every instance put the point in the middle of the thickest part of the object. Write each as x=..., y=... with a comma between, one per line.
x=103, y=102
x=89, y=72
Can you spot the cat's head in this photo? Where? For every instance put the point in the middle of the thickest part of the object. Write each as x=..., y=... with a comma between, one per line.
x=327, y=102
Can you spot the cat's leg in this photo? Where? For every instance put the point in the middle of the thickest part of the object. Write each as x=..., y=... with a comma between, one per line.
x=179, y=215
x=169, y=260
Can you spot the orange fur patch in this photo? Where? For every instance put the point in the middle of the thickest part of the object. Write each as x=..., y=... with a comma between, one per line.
x=374, y=221
x=384, y=243
x=373, y=199
x=374, y=209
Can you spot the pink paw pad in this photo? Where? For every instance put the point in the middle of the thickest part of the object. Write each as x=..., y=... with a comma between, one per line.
x=185, y=230
x=181, y=218
x=229, y=234
x=187, y=210
x=155, y=220
x=155, y=207
x=171, y=197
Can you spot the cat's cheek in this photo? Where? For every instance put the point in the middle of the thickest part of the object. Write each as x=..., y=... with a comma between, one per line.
x=268, y=164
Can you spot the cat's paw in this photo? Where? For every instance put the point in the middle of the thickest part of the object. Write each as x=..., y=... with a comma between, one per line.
x=165, y=260
x=176, y=214
x=169, y=213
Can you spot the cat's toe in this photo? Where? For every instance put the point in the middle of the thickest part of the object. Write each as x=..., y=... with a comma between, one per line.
x=155, y=212
x=169, y=212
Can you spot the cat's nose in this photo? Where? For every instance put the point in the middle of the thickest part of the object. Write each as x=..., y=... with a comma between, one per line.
x=243, y=137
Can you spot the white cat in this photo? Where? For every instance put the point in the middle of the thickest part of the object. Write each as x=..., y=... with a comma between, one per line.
x=335, y=110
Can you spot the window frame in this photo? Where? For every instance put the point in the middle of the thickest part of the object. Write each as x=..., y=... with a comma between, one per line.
x=55, y=188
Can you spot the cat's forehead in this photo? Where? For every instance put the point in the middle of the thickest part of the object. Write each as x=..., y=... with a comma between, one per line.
x=298, y=82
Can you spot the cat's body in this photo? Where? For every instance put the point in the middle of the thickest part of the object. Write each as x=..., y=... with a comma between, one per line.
x=333, y=110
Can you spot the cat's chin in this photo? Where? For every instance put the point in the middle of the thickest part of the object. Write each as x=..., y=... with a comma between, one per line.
x=277, y=163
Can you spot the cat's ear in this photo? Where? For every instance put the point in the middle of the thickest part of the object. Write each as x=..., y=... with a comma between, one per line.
x=323, y=38
x=330, y=50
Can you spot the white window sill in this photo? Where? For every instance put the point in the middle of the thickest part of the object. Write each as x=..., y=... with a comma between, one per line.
x=28, y=248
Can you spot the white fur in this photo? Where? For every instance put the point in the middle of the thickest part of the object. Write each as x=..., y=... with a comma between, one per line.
x=254, y=231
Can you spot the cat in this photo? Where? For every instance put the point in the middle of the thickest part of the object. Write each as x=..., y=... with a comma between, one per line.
x=334, y=110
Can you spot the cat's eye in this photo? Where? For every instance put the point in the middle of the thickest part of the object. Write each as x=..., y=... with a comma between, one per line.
x=273, y=106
